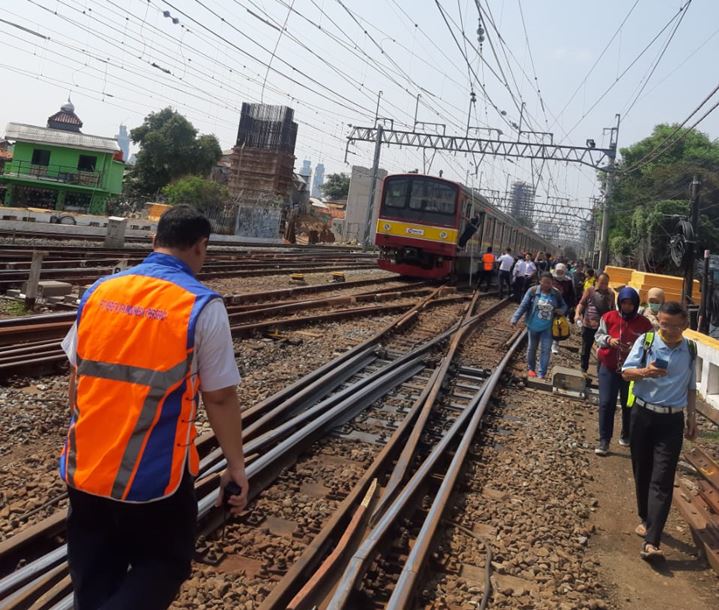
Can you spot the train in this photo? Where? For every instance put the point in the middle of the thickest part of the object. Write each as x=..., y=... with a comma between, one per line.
x=434, y=228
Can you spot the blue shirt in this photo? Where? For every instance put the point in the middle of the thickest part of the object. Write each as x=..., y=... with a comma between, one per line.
x=542, y=313
x=672, y=389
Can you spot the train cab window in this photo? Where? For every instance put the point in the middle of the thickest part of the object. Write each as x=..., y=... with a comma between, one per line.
x=432, y=197
x=395, y=193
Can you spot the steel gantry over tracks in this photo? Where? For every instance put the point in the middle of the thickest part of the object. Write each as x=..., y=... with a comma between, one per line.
x=597, y=158
x=601, y=159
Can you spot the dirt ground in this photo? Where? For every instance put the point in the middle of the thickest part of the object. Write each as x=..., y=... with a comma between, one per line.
x=683, y=581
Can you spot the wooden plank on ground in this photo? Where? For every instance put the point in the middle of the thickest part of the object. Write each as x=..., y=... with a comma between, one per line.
x=704, y=464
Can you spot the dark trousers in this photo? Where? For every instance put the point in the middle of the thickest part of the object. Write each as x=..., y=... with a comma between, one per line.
x=126, y=555
x=587, y=342
x=612, y=385
x=521, y=284
x=656, y=443
x=504, y=280
x=485, y=276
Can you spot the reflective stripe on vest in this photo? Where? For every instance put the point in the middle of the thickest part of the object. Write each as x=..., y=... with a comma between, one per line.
x=488, y=261
x=132, y=428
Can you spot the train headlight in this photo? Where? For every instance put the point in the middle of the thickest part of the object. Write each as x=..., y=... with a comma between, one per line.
x=443, y=234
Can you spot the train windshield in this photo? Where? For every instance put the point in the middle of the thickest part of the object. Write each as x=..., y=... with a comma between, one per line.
x=420, y=199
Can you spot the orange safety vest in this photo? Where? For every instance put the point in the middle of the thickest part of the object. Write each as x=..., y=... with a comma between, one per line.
x=132, y=429
x=488, y=261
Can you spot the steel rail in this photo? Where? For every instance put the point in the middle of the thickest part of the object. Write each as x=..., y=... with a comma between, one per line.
x=50, y=525
x=305, y=569
x=361, y=559
x=405, y=589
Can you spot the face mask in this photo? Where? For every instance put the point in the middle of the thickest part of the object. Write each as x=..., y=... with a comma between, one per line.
x=655, y=307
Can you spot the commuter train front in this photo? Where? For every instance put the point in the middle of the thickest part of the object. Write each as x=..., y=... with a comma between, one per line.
x=431, y=228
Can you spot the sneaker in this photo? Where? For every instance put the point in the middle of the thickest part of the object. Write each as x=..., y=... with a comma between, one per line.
x=602, y=448
x=531, y=374
x=624, y=441
x=555, y=348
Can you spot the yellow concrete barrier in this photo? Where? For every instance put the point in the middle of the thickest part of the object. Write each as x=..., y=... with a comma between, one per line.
x=642, y=281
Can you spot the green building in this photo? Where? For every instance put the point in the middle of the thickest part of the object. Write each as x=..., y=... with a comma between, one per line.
x=59, y=168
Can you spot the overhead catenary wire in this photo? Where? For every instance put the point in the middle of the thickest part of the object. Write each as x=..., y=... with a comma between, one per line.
x=666, y=26
x=596, y=62
x=675, y=136
x=645, y=81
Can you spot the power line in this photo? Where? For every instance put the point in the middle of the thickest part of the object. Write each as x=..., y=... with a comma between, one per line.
x=645, y=80
x=668, y=141
x=596, y=62
x=630, y=66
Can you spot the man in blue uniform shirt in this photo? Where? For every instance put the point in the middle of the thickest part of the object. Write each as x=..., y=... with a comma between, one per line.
x=661, y=365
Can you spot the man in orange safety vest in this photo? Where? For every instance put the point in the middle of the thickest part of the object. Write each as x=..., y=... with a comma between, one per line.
x=487, y=269
x=146, y=343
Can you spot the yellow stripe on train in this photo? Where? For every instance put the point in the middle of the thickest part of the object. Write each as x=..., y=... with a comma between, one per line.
x=428, y=233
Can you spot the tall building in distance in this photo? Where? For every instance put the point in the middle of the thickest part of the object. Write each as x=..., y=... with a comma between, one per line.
x=318, y=181
x=522, y=202
x=123, y=139
x=306, y=171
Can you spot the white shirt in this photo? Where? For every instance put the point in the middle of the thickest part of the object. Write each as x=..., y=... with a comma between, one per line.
x=505, y=262
x=524, y=268
x=214, y=352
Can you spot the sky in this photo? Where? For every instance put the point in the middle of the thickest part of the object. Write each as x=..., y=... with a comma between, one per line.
x=574, y=64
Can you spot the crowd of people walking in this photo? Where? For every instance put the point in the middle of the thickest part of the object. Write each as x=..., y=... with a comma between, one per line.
x=643, y=362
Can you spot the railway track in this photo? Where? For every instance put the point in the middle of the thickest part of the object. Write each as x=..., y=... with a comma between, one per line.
x=32, y=344
x=331, y=437
x=80, y=266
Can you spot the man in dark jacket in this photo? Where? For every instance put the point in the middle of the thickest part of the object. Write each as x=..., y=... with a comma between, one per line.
x=617, y=332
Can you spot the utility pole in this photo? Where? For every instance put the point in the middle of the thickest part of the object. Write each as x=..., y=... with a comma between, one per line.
x=704, y=312
x=373, y=186
x=690, y=257
x=611, y=177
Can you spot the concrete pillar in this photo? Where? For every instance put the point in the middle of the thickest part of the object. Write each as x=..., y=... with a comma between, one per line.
x=115, y=237
x=33, y=279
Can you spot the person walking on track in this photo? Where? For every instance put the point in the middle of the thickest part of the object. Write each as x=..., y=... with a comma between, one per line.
x=506, y=262
x=595, y=302
x=146, y=342
x=562, y=282
x=488, y=263
x=540, y=304
x=523, y=273
x=617, y=332
x=661, y=366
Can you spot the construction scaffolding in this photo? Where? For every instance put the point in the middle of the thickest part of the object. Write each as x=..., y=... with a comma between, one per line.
x=262, y=161
x=267, y=128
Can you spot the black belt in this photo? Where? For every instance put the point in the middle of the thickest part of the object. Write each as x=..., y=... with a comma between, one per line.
x=658, y=408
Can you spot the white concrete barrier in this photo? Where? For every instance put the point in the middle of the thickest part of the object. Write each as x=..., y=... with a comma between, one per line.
x=707, y=366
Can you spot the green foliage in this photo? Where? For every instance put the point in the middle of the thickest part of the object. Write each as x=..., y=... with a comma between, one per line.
x=170, y=149
x=648, y=202
x=336, y=186
x=206, y=195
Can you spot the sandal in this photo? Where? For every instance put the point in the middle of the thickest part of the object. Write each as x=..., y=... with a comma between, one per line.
x=650, y=552
x=641, y=530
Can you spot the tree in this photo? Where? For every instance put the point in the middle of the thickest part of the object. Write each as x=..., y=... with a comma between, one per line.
x=649, y=201
x=336, y=186
x=206, y=195
x=170, y=149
